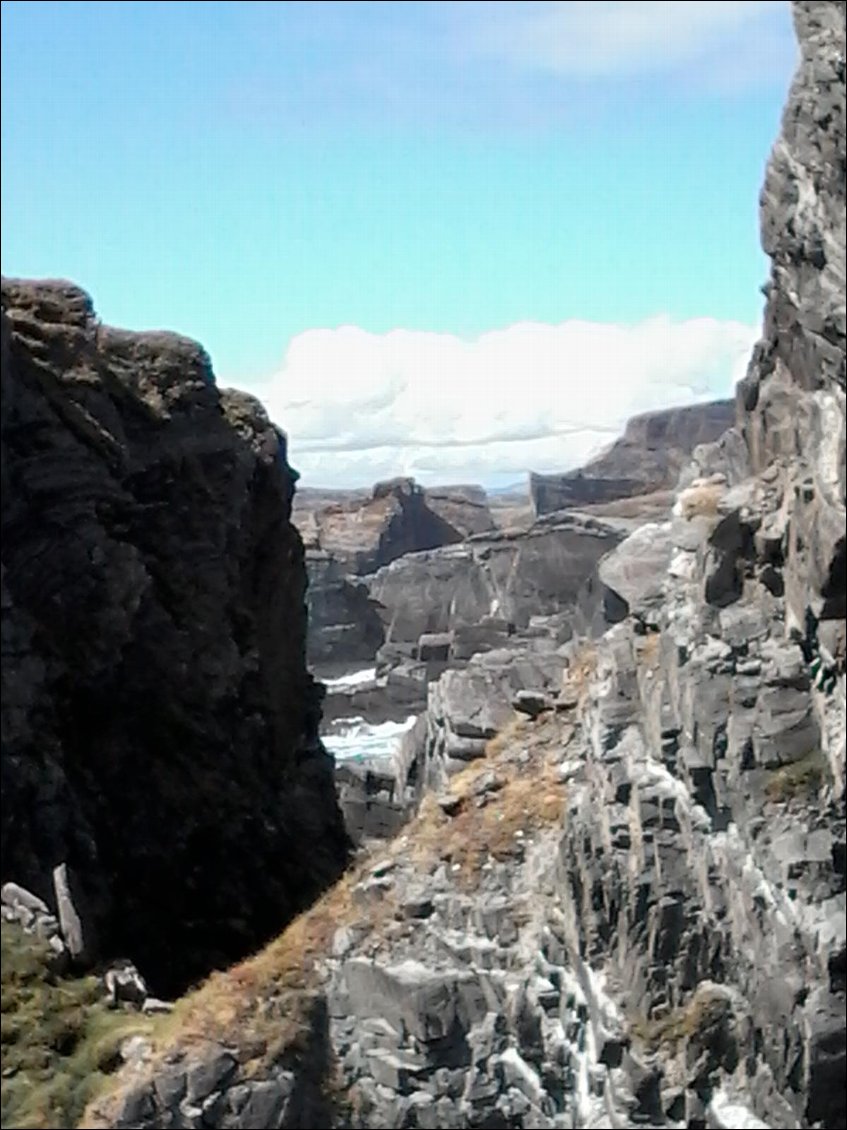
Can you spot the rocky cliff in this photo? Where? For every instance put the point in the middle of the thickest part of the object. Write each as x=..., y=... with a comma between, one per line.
x=366, y=530
x=435, y=560
x=345, y=626
x=647, y=458
x=159, y=727
x=792, y=399
x=513, y=575
x=631, y=910
x=351, y=533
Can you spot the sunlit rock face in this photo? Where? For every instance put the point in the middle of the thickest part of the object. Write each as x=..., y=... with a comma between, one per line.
x=629, y=908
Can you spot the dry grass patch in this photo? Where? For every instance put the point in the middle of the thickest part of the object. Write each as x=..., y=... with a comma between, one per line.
x=529, y=796
x=583, y=667
x=650, y=650
x=268, y=995
x=264, y=1004
x=523, y=806
x=501, y=741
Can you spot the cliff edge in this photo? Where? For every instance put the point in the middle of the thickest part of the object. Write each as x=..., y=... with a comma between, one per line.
x=159, y=726
x=628, y=910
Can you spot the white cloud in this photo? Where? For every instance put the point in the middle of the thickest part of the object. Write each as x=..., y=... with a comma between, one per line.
x=359, y=406
x=626, y=38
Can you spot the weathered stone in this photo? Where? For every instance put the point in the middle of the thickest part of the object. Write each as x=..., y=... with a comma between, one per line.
x=463, y=748
x=514, y=575
x=76, y=937
x=14, y=895
x=210, y=1074
x=472, y=702
x=426, y=1003
x=154, y=1007
x=156, y=707
x=470, y=639
x=135, y=1050
x=435, y=646
x=258, y=1104
x=398, y=1072
x=125, y=985
x=635, y=570
x=532, y=703
x=170, y=1086
x=487, y=783
x=450, y=803
x=649, y=457
x=417, y=904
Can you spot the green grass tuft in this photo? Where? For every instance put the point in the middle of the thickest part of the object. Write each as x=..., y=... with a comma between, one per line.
x=800, y=778
x=59, y=1040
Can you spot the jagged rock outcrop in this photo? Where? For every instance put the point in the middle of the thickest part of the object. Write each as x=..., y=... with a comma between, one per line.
x=510, y=575
x=345, y=627
x=469, y=706
x=792, y=399
x=159, y=726
x=464, y=508
x=366, y=531
x=438, y=609
x=350, y=533
x=647, y=458
x=630, y=912
x=435, y=559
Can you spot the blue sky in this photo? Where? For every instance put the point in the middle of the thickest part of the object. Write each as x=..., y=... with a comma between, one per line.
x=257, y=175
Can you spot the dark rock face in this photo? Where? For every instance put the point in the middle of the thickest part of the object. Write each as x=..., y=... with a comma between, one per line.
x=159, y=724
x=344, y=623
x=647, y=458
x=632, y=912
x=351, y=533
x=508, y=575
x=366, y=532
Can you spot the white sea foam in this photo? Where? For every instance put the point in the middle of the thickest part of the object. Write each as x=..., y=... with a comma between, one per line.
x=356, y=739
x=353, y=679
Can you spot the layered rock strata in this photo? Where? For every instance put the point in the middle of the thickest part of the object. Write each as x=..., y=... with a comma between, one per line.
x=159, y=724
x=351, y=533
x=510, y=576
x=631, y=911
x=647, y=458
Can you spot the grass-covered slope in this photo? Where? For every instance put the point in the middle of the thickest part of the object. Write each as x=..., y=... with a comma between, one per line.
x=59, y=1038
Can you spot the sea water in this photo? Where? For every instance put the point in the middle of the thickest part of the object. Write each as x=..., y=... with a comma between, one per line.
x=353, y=679
x=358, y=740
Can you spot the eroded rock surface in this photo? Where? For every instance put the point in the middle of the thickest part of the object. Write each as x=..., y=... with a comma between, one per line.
x=351, y=533
x=345, y=627
x=366, y=530
x=629, y=912
x=509, y=575
x=648, y=458
x=159, y=724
